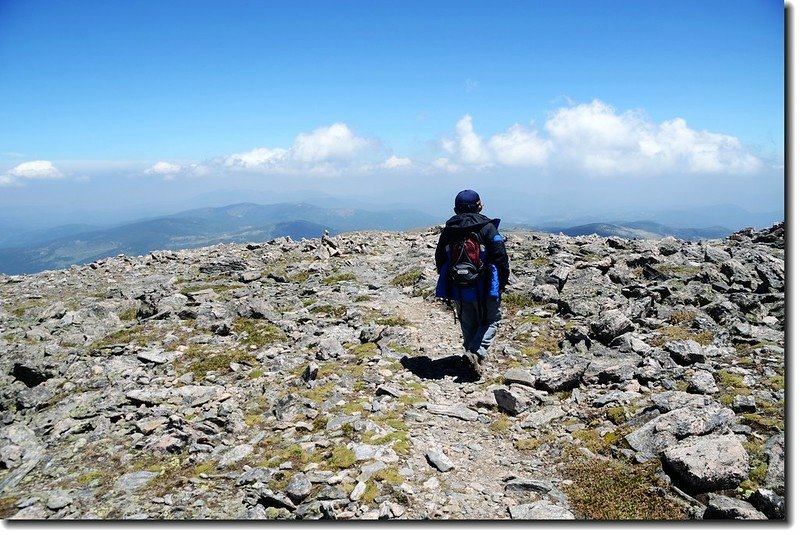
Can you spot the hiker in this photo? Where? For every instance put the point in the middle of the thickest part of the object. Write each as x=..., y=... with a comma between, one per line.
x=473, y=269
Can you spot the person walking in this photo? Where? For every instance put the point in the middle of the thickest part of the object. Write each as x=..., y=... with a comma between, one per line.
x=473, y=268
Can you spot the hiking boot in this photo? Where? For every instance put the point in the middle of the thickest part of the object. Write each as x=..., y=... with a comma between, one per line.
x=475, y=362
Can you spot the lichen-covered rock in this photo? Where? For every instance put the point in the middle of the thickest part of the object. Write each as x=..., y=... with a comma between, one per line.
x=727, y=508
x=707, y=463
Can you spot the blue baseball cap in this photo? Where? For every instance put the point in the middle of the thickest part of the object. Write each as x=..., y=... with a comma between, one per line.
x=467, y=198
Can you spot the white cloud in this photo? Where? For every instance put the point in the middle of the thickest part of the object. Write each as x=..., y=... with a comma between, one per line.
x=520, y=147
x=328, y=150
x=336, y=142
x=261, y=157
x=164, y=168
x=394, y=162
x=444, y=164
x=596, y=139
x=469, y=147
x=35, y=169
x=589, y=138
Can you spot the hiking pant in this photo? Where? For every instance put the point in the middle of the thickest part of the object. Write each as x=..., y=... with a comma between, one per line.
x=479, y=327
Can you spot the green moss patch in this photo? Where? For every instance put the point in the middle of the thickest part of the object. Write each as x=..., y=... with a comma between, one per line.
x=258, y=332
x=612, y=490
x=408, y=278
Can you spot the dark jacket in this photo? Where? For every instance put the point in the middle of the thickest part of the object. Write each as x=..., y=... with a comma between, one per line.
x=493, y=253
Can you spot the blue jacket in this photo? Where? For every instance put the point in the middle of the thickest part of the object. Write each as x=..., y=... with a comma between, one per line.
x=493, y=254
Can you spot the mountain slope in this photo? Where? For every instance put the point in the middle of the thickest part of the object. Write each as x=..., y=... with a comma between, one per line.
x=197, y=228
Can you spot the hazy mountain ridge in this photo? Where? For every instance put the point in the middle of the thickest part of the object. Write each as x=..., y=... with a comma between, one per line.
x=31, y=250
x=200, y=227
x=641, y=230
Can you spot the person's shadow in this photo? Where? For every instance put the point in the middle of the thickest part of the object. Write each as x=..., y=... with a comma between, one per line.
x=427, y=368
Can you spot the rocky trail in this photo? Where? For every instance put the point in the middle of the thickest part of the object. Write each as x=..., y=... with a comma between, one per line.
x=320, y=379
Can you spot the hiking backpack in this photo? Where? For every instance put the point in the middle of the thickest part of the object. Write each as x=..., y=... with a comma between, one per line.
x=466, y=265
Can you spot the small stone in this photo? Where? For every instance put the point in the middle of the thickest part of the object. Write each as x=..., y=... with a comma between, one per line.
x=744, y=404
x=516, y=375
x=298, y=488
x=134, y=481
x=724, y=507
x=439, y=460
x=461, y=412
x=542, y=417
x=235, y=455
x=358, y=491
x=702, y=382
x=58, y=500
x=541, y=510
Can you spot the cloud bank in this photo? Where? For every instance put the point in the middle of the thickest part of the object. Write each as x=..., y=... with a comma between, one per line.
x=591, y=139
x=582, y=139
x=594, y=139
x=33, y=170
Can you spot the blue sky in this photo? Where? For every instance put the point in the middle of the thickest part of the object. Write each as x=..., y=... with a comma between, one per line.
x=603, y=96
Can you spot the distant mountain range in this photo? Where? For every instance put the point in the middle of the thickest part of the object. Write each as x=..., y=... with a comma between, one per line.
x=64, y=246
x=29, y=251
x=641, y=230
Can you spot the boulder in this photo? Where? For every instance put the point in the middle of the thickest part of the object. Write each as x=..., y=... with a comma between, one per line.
x=611, y=324
x=726, y=508
x=554, y=374
x=685, y=351
x=707, y=463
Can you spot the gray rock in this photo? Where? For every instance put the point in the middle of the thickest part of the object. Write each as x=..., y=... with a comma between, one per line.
x=156, y=356
x=389, y=390
x=559, y=373
x=541, y=510
x=34, y=512
x=672, y=400
x=667, y=429
x=520, y=484
x=543, y=416
x=461, y=412
x=611, y=324
x=723, y=507
x=520, y=376
x=774, y=449
x=223, y=265
x=611, y=370
x=715, y=255
x=707, y=463
x=685, y=351
x=545, y=293
x=58, y=500
x=744, y=404
x=235, y=455
x=134, y=481
x=358, y=491
x=439, y=460
x=770, y=503
x=148, y=425
x=514, y=401
x=369, y=470
x=615, y=397
x=702, y=382
x=330, y=348
x=310, y=373
x=298, y=488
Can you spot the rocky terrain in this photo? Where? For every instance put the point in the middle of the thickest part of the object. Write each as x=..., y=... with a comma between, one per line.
x=320, y=379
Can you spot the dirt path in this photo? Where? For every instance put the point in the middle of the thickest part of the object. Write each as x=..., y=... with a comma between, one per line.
x=482, y=451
